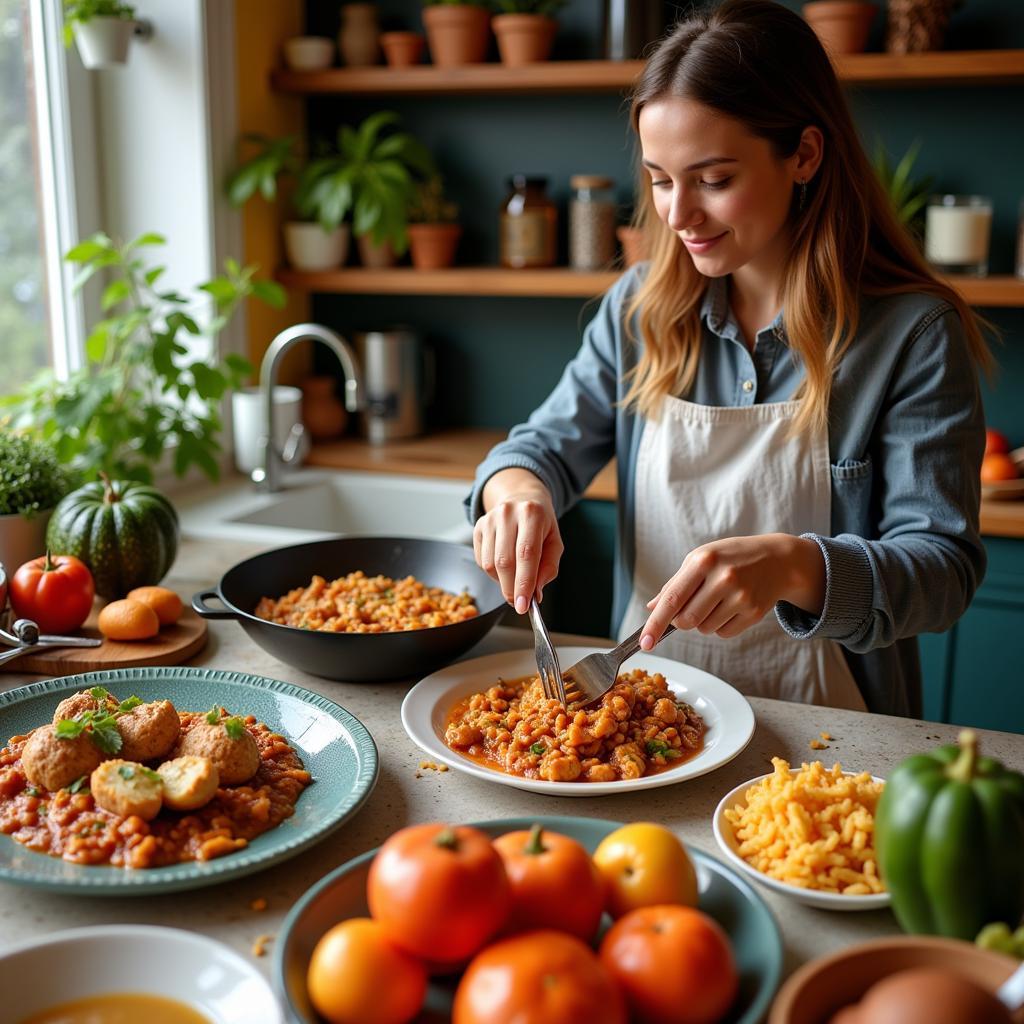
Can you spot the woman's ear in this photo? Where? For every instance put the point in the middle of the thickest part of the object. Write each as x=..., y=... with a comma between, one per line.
x=809, y=152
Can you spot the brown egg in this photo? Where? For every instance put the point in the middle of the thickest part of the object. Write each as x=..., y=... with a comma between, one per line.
x=926, y=995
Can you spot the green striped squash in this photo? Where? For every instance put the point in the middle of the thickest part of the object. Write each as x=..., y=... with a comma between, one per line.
x=125, y=532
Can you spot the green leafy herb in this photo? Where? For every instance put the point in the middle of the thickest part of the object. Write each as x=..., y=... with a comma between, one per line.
x=32, y=791
x=656, y=747
x=100, y=693
x=213, y=715
x=104, y=734
x=126, y=771
x=672, y=753
x=127, y=705
x=77, y=784
x=538, y=748
x=69, y=728
x=234, y=727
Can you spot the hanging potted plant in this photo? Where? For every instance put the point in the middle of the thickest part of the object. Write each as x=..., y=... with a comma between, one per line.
x=316, y=239
x=841, y=25
x=373, y=175
x=525, y=30
x=32, y=481
x=433, y=233
x=102, y=30
x=458, y=31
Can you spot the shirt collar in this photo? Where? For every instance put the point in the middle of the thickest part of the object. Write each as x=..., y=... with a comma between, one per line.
x=716, y=312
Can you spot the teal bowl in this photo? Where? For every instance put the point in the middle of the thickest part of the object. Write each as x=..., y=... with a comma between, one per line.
x=724, y=895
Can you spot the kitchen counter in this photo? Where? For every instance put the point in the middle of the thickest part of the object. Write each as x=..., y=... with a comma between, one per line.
x=405, y=795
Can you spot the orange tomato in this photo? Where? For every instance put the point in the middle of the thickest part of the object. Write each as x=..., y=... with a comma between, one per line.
x=537, y=978
x=553, y=881
x=674, y=964
x=644, y=864
x=55, y=591
x=997, y=466
x=439, y=891
x=356, y=975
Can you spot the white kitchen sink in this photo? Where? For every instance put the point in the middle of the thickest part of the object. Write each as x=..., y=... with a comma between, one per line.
x=315, y=504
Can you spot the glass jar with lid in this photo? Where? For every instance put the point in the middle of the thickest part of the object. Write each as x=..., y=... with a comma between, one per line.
x=591, y=222
x=529, y=224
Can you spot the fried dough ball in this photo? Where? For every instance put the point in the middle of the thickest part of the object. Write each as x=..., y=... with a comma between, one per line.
x=127, y=788
x=236, y=759
x=149, y=731
x=78, y=703
x=54, y=763
x=189, y=782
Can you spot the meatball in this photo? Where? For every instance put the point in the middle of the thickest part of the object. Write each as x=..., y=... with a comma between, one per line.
x=149, y=731
x=189, y=782
x=127, y=788
x=236, y=759
x=54, y=763
x=72, y=707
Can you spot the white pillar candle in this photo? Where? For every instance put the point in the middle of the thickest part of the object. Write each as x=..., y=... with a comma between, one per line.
x=958, y=235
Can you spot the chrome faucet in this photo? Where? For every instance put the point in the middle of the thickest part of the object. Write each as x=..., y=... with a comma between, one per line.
x=267, y=472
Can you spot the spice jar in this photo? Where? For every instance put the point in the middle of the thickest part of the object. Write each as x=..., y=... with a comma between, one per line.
x=529, y=223
x=591, y=222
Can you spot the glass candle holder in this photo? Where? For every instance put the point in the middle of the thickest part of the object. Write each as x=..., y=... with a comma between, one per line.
x=956, y=234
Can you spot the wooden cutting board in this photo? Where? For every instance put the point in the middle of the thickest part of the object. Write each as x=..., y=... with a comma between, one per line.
x=171, y=646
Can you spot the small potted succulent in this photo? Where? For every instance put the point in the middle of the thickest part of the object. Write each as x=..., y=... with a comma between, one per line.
x=32, y=481
x=433, y=233
x=102, y=30
x=458, y=31
x=525, y=30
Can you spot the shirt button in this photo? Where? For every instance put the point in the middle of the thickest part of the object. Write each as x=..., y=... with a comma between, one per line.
x=748, y=385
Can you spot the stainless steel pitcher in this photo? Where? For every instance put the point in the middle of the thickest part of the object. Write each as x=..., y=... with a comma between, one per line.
x=398, y=377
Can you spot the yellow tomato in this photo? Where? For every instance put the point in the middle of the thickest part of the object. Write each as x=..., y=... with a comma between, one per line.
x=645, y=865
x=357, y=976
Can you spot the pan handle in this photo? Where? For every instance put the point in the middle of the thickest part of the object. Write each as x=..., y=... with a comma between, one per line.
x=200, y=608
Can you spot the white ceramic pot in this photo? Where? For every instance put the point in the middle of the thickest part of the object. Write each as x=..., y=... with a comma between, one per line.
x=22, y=539
x=309, y=247
x=103, y=42
x=248, y=419
x=309, y=53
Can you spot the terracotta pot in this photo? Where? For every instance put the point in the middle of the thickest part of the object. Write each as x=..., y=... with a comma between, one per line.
x=323, y=413
x=22, y=539
x=916, y=25
x=841, y=25
x=433, y=245
x=634, y=246
x=524, y=38
x=359, y=37
x=373, y=256
x=402, y=49
x=457, y=35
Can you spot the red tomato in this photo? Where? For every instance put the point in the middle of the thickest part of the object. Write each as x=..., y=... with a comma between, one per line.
x=995, y=442
x=537, y=978
x=3, y=587
x=56, y=591
x=554, y=883
x=674, y=964
x=439, y=891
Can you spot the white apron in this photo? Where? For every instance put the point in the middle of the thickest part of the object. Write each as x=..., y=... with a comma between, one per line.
x=709, y=472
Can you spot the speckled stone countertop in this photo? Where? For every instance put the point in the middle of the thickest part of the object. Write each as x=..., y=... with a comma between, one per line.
x=405, y=795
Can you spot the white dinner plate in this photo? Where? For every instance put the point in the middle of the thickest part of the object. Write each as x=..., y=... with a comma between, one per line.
x=728, y=718
x=727, y=843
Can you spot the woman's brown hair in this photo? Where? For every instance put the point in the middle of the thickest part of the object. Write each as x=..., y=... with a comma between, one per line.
x=761, y=64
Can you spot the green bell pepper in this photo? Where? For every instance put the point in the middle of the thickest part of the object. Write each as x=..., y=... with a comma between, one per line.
x=949, y=831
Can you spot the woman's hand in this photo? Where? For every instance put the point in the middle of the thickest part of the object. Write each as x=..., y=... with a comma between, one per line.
x=516, y=541
x=727, y=586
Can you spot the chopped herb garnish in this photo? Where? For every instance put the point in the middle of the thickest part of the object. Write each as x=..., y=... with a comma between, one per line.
x=126, y=771
x=44, y=810
x=127, y=705
x=104, y=734
x=32, y=791
x=68, y=728
x=538, y=748
x=234, y=727
x=672, y=753
x=100, y=693
x=77, y=784
x=151, y=775
x=213, y=715
x=656, y=747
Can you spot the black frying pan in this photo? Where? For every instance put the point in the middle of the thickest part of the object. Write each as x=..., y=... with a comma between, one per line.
x=358, y=657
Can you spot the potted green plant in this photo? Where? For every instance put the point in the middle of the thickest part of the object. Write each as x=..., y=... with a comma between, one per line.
x=142, y=389
x=315, y=239
x=433, y=233
x=102, y=30
x=458, y=31
x=32, y=481
x=373, y=174
x=525, y=30
x=909, y=195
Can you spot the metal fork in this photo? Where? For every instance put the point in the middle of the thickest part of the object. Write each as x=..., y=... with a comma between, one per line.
x=592, y=677
x=547, y=659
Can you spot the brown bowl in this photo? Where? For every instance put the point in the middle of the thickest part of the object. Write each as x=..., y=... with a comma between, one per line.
x=819, y=989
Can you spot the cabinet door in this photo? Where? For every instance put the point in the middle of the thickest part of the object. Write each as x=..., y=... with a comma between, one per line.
x=936, y=669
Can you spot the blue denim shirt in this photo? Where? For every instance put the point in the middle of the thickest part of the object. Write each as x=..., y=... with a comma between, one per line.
x=906, y=438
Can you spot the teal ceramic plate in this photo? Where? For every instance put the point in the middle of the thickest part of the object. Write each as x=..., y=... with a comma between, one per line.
x=724, y=895
x=334, y=746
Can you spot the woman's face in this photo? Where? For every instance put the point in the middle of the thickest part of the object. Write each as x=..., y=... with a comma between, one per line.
x=722, y=190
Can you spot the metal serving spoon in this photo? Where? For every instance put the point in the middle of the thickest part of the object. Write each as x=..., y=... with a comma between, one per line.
x=26, y=634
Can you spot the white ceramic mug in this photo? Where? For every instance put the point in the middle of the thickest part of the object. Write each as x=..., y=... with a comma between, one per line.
x=248, y=419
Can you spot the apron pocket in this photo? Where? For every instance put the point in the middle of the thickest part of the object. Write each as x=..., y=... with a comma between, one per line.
x=851, y=495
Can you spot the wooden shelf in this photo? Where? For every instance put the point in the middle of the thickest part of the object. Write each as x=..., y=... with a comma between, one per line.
x=552, y=282
x=1002, y=518
x=964, y=67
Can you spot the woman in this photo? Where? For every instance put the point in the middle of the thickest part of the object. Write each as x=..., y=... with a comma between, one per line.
x=790, y=394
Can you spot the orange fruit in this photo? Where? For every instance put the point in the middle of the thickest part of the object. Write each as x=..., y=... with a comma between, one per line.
x=128, y=620
x=997, y=466
x=164, y=602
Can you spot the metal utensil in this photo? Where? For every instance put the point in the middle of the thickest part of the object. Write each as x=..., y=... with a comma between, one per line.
x=27, y=632
x=547, y=659
x=592, y=677
x=1011, y=992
